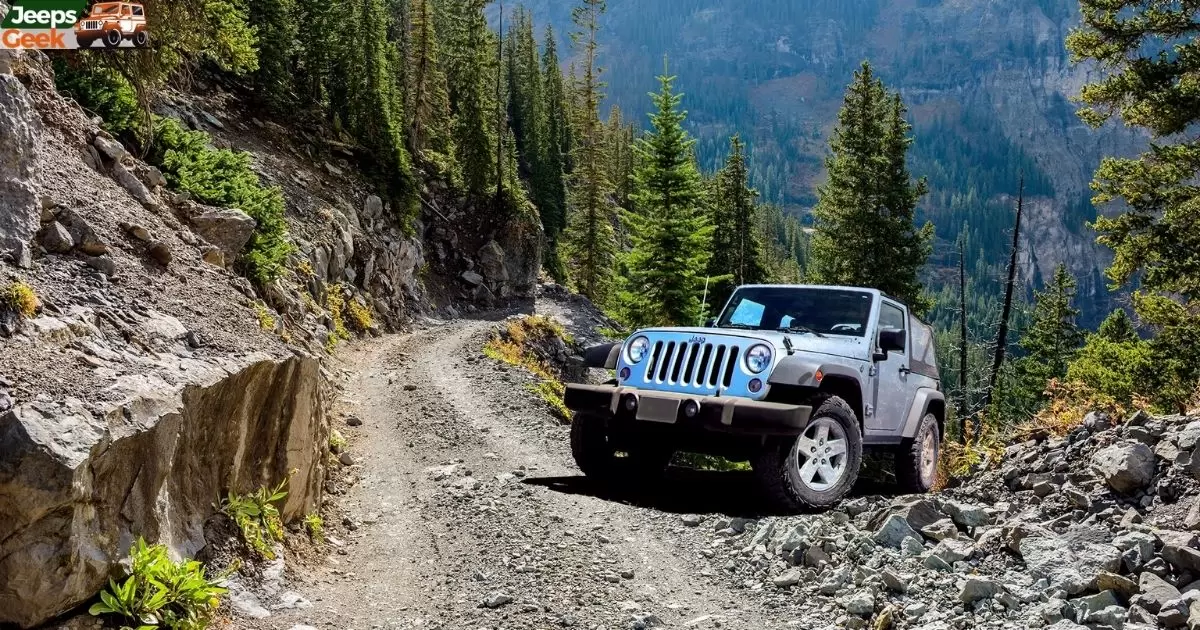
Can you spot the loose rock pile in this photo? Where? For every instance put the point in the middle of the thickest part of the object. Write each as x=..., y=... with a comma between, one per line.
x=1095, y=529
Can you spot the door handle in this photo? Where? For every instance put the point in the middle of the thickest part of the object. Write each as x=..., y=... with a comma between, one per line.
x=904, y=371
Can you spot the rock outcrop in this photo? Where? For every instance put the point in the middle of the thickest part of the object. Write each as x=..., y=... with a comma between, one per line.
x=77, y=486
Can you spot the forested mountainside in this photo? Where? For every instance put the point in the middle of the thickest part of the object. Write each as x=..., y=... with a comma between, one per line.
x=988, y=85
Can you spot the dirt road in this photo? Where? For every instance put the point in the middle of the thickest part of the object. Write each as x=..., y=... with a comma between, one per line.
x=470, y=513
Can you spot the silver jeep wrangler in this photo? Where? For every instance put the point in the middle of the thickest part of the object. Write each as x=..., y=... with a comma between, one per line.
x=795, y=379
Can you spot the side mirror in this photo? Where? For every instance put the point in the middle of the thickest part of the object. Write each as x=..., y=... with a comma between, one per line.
x=891, y=341
x=710, y=322
x=880, y=355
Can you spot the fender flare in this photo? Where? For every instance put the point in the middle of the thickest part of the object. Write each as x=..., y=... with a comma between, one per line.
x=925, y=398
x=803, y=373
x=604, y=356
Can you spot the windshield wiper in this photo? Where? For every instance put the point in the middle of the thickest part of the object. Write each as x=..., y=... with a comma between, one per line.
x=739, y=326
x=799, y=328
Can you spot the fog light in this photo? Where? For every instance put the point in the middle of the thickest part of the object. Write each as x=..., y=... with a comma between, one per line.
x=691, y=409
x=624, y=374
x=755, y=386
x=631, y=403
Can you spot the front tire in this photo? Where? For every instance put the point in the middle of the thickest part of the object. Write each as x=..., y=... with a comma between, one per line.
x=817, y=468
x=112, y=38
x=916, y=462
x=597, y=457
x=85, y=42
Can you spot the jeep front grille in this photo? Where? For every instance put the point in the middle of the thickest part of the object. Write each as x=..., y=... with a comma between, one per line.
x=91, y=25
x=704, y=366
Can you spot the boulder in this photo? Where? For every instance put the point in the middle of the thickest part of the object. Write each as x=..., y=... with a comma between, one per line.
x=81, y=232
x=1070, y=563
x=941, y=530
x=133, y=186
x=893, y=531
x=56, y=239
x=472, y=277
x=159, y=251
x=227, y=228
x=1126, y=467
x=1154, y=591
x=491, y=263
x=917, y=512
x=965, y=514
x=951, y=551
x=76, y=487
x=1182, y=558
x=109, y=148
x=373, y=208
x=974, y=589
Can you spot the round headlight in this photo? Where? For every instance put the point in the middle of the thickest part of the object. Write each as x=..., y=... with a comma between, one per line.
x=637, y=349
x=758, y=358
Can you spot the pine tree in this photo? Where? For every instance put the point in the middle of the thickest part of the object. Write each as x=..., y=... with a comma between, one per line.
x=429, y=134
x=1117, y=327
x=470, y=70
x=865, y=232
x=365, y=91
x=551, y=196
x=1053, y=336
x=591, y=238
x=1146, y=53
x=736, y=249
x=277, y=24
x=670, y=231
x=315, y=52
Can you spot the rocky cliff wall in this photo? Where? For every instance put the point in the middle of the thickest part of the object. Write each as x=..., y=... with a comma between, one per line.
x=143, y=386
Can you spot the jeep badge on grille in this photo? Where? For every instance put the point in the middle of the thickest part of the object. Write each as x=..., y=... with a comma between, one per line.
x=696, y=339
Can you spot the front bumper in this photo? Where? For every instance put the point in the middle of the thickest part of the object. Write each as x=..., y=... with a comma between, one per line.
x=727, y=414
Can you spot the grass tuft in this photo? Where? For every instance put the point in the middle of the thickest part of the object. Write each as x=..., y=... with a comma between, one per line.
x=514, y=346
x=20, y=298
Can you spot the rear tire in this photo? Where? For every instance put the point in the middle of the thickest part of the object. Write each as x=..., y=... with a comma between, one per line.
x=141, y=39
x=916, y=462
x=817, y=468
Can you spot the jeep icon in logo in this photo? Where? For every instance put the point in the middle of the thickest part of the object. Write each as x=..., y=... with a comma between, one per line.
x=113, y=23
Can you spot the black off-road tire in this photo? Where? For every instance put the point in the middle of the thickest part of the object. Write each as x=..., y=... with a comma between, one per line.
x=590, y=447
x=780, y=481
x=597, y=457
x=916, y=468
x=85, y=42
x=141, y=39
x=112, y=38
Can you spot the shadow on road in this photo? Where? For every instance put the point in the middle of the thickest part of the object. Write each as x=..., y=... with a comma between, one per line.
x=689, y=491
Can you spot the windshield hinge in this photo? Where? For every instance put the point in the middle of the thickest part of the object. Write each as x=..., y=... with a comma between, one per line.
x=787, y=343
x=870, y=411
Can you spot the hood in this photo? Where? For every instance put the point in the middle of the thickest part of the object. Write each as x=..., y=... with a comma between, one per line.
x=835, y=345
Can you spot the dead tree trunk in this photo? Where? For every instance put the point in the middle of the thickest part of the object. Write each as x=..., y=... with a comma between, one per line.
x=963, y=394
x=1002, y=330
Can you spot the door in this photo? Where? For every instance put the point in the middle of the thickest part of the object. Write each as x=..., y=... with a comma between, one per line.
x=893, y=392
x=126, y=20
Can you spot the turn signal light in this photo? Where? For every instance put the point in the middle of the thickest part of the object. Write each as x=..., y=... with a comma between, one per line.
x=624, y=374
x=818, y=376
x=755, y=386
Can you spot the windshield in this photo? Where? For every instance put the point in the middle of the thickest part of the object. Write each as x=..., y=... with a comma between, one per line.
x=106, y=9
x=811, y=309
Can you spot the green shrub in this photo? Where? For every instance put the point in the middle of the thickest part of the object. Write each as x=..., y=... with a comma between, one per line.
x=20, y=298
x=222, y=177
x=1119, y=369
x=315, y=526
x=257, y=517
x=160, y=593
x=100, y=91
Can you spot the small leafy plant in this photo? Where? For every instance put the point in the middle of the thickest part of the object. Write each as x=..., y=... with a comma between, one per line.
x=335, y=304
x=20, y=298
x=266, y=321
x=161, y=593
x=337, y=441
x=257, y=516
x=360, y=316
x=315, y=526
